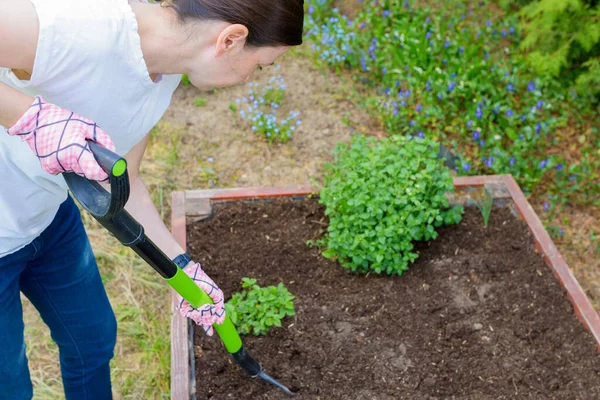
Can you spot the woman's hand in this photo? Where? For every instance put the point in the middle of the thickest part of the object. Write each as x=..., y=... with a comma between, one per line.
x=208, y=314
x=58, y=138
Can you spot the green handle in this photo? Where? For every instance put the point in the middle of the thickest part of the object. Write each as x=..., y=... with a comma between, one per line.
x=187, y=288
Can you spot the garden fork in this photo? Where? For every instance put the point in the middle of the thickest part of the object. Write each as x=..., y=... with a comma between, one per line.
x=108, y=209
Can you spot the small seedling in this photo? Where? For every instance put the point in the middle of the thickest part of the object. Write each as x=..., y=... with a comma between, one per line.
x=185, y=81
x=256, y=309
x=485, y=202
x=200, y=102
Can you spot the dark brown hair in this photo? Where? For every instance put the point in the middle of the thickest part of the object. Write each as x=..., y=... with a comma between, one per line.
x=269, y=22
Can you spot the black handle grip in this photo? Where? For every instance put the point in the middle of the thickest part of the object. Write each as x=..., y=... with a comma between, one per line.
x=91, y=195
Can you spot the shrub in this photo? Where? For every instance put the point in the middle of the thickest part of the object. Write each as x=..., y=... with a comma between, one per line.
x=257, y=309
x=381, y=197
x=563, y=39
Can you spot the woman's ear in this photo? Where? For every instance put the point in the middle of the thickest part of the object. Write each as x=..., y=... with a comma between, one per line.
x=231, y=38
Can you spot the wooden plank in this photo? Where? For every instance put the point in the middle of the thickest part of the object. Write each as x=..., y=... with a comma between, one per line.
x=180, y=352
x=248, y=193
x=582, y=305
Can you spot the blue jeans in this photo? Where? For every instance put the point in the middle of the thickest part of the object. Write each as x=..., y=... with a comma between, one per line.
x=58, y=274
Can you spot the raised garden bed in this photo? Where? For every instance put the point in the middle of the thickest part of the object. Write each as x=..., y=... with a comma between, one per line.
x=479, y=315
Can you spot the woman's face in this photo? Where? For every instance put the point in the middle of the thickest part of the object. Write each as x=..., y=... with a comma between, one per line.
x=228, y=61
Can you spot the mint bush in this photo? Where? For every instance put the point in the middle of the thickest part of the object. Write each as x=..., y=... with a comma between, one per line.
x=380, y=197
x=257, y=309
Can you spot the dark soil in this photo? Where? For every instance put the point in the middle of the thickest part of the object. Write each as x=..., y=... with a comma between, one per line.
x=478, y=316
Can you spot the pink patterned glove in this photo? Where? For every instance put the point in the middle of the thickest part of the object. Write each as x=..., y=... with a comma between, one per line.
x=208, y=314
x=58, y=139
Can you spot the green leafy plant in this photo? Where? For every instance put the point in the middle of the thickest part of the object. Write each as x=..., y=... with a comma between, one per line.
x=563, y=38
x=200, y=102
x=484, y=200
x=381, y=196
x=257, y=309
x=185, y=80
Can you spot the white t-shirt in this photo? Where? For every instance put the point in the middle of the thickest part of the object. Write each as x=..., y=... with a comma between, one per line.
x=88, y=61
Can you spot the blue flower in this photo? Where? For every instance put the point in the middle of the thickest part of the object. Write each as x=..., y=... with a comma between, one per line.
x=461, y=50
x=476, y=134
x=413, y=122
x=531, y=86
x=440, y=97
x=478, y=113
x=489, y=24
x=428, y=35
x=543, y=164
x=538, y=127
x=395, y=112
x=363, y=64
x=481, y=143
x=546, y=206
x=446, y=44
x=311, y=9
x=503, y=33
x=540, y=104
x=489, y=162
x=509, y=113
x=512, y=161
x=384, y=70
x=385, y=13
x=418, y=108
x=421, y=135
x=451, y=85
x=428, y=86
x=362, y=25
x=466, y=167
x=469, y=124
x=210, y=159
x=559, y=167
x=523, y=118
x=512, y=30
x=444, y=61
x=510, y=87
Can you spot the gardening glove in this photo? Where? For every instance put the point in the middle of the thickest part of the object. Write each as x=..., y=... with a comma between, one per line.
x=208, y=314
x=58, y=139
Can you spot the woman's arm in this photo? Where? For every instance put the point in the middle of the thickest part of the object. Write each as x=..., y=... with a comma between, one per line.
x=142, y=208
x=18, y=32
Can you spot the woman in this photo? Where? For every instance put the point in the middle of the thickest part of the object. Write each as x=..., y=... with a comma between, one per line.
x=72, y=70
